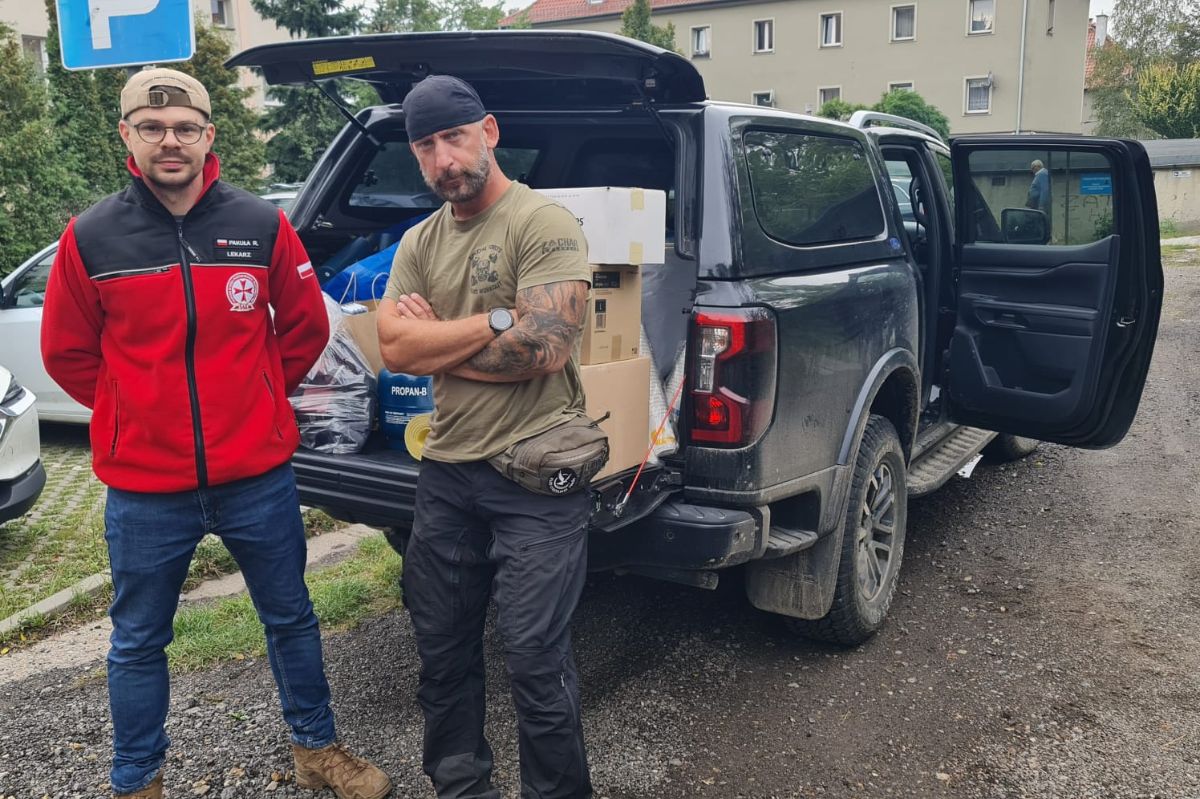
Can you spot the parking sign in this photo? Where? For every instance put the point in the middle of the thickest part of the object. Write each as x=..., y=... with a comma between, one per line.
x=125, y=33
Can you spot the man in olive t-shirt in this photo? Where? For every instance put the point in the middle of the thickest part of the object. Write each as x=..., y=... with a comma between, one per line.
x=488, y=295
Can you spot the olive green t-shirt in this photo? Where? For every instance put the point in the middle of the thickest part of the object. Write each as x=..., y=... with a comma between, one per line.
x=467, y=268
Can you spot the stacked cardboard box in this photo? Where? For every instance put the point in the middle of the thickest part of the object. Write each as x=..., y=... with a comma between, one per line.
x=625, y=228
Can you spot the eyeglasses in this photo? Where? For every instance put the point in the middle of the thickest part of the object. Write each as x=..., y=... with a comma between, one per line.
x=155, y=132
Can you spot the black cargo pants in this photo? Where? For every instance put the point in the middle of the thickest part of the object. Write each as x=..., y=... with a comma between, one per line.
x=477, y=533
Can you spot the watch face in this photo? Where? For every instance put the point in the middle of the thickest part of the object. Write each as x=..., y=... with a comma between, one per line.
x=500, y=319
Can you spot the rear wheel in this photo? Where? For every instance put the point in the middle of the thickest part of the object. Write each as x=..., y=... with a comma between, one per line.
x=1006, y=447
x=872, y=541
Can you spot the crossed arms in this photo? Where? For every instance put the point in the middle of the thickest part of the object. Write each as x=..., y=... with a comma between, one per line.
x=414, y=340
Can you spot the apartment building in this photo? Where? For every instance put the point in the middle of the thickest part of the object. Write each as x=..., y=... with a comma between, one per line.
x=988, y=65
x=236, y=18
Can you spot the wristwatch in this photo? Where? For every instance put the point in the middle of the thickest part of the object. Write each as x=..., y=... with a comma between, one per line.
x=500, y=319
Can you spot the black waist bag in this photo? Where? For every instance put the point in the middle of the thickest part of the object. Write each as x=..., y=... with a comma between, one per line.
x=559, y=461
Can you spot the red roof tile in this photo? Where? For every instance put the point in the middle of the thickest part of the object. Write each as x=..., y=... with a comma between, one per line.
x=560, y=10
x=1089, y=64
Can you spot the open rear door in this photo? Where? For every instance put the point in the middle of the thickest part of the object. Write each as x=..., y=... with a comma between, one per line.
x=1059, y=286
x=510, y=69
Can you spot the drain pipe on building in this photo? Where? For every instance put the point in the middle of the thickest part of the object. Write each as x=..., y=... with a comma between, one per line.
x=1021, y=66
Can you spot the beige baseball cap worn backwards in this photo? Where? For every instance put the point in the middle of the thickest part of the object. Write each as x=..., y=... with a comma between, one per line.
x=155, y=88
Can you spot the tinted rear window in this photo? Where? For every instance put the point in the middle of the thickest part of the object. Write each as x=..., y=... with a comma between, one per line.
x=811, y=189
x=393, y=179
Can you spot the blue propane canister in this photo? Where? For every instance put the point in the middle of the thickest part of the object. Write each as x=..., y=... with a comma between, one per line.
x=401, y=398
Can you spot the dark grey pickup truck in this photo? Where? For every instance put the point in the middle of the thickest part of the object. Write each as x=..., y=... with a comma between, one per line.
x=863, y=307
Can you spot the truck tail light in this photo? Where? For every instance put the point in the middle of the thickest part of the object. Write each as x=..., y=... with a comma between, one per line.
x=732, y=392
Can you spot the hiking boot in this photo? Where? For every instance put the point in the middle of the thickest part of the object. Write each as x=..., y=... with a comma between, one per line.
x=151, y=791
x=332, y=766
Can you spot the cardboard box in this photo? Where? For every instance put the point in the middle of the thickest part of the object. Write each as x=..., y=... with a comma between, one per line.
x=621, y=389
x=622, y=226
x=613, y=327
x=363, y=328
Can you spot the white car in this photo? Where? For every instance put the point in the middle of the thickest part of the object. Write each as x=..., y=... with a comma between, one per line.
x=21, y=296
x=21, y=474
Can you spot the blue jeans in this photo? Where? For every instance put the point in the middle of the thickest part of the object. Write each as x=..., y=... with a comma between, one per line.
x=151, y=539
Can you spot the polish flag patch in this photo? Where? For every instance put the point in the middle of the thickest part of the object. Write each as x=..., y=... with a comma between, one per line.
x=305, y=270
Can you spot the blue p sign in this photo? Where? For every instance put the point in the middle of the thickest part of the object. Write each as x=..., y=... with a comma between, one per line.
x=117, y=33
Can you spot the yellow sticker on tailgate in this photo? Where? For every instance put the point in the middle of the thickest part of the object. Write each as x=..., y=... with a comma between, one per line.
x=345, y=65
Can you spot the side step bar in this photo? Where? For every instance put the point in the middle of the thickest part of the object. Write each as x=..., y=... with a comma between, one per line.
x=933, y=469
x=782, y=541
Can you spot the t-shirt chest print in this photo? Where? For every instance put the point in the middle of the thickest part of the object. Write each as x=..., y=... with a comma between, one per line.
x=483, y=263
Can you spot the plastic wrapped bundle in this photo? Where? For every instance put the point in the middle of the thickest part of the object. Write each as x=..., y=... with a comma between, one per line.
x=335, y=403
x=666, y=442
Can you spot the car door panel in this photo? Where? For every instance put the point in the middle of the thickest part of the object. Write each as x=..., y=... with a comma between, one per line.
x=1053, y=341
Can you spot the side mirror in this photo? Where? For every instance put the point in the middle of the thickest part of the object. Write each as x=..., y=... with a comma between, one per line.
x=1024, y=226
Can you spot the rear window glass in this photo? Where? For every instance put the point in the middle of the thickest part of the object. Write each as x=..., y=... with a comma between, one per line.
x=811, y=189
x=393, y=179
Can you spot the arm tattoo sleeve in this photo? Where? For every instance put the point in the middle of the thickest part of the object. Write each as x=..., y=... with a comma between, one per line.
x=549, y=317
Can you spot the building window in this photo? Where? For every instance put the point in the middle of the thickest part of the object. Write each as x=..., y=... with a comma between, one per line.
x=35, y=51
x=831, y=29
x=1050, y=19
x=983, y=16
x=764, y=35
x=220, y=14
x=702, y=41
x=766, y=98
x=900, y=86
x=979, y=96
x=904, y=23
x=827, y=93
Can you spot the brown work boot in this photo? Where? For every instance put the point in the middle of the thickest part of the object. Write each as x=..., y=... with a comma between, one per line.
x=332, y=766
x=151, y=791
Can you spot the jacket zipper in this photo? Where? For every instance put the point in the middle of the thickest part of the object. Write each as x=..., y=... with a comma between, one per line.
x=271, y=394
x=112, y=451
x=189, y=356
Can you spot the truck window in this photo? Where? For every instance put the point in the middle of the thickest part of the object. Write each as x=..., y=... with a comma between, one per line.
x=393, y=179
x=809, y=189
x=1059, y=197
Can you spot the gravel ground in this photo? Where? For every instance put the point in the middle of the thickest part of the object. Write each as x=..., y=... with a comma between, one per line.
x=1041, y=645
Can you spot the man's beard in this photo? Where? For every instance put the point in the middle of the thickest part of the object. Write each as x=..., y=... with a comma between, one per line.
x=471, y=180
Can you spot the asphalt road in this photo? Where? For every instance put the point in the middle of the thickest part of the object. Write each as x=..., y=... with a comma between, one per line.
x=1042, y=644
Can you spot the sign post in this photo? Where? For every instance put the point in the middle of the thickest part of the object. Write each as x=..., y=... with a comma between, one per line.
x=125, y=33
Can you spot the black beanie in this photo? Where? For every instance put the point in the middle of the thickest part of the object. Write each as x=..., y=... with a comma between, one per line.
x=438, y=103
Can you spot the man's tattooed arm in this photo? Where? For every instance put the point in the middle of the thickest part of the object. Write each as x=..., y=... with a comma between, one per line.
x=549, y=318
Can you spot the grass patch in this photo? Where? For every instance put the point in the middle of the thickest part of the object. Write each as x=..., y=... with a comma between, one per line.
x=343, y=595
x=318, y=521
x=1174, y=249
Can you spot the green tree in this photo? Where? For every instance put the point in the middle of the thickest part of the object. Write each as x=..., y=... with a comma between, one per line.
x=1168, y=99
x=87, y=108
x=40, y=190
x=839, y=109
x=304, y=122
x=911, y=105
x=1148, y=33
x=636, y=24
x=433, y=15
x=238, y=144
x=310, y=17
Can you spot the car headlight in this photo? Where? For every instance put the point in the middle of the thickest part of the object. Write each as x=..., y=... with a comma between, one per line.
x=14, y=393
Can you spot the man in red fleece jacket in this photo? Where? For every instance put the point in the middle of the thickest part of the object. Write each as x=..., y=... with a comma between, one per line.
x=158, y=316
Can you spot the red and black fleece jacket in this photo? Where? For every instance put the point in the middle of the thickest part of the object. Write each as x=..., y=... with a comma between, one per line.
x=164, y=328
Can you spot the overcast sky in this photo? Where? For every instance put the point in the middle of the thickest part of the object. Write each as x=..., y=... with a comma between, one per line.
x=1099, y=7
